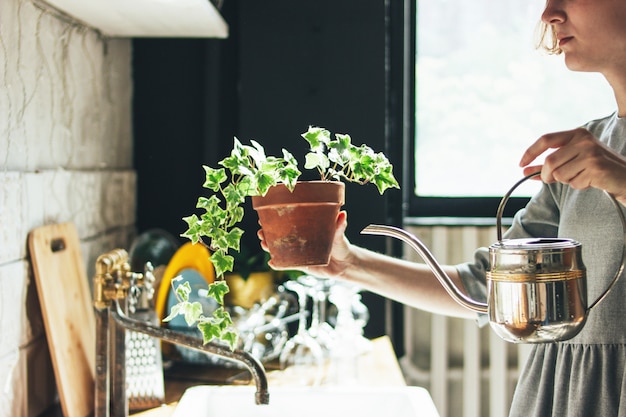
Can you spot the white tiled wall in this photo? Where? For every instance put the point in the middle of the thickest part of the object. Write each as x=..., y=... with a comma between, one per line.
x=65, y=155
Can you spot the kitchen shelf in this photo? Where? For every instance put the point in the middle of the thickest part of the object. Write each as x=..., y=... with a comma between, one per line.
x=147, y=18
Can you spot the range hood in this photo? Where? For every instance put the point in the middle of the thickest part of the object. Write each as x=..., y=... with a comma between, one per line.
x=147, y=18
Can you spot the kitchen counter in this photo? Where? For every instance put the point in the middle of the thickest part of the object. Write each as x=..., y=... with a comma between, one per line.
x=378, y=367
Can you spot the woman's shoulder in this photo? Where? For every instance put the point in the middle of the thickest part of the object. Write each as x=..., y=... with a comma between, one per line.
x=603, y=124
x=610, y=130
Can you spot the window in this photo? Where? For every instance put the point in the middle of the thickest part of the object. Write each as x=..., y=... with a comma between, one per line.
x=483, y=93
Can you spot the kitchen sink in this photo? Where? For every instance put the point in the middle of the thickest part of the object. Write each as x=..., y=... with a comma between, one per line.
x=338, y=401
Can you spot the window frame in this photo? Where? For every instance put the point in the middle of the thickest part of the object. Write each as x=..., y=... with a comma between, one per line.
x=438, y=209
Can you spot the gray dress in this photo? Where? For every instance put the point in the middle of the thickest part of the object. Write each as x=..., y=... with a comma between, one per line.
x=586, y=375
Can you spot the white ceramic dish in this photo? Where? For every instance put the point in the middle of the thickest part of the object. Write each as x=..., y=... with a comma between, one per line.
x=238, y=401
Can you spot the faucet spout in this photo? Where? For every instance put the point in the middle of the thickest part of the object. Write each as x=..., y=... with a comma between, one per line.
x=422, y=250
x=113, y=282
x=254, y=366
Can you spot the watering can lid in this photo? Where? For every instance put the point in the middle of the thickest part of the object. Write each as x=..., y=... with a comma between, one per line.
x=541, y=243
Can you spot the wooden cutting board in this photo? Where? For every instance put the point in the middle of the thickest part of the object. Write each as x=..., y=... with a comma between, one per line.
x=67, y=309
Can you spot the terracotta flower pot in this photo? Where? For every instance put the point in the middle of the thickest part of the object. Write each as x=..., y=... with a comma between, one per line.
x=299, y=226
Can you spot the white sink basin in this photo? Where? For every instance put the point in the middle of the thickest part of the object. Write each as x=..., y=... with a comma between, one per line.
x=238, y=401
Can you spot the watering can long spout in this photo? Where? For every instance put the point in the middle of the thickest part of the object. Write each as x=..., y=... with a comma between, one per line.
x=419, y=247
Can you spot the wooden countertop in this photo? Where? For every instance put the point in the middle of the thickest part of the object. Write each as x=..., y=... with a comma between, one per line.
x=378, y=367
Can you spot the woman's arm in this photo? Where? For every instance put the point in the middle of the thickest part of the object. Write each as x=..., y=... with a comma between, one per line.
x=409, y=283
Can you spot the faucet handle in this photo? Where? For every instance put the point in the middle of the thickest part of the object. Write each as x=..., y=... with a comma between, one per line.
x=141, y=288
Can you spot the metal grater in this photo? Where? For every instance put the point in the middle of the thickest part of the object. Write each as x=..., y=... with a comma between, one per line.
x=144, y=366
x=144, y=372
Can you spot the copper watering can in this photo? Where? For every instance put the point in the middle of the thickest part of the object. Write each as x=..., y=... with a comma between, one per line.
x=536, y=288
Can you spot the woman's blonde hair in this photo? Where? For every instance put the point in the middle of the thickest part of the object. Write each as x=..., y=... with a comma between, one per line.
x=546, y=38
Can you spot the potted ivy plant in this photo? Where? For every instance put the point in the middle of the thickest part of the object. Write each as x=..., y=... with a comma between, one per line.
x=278, y=197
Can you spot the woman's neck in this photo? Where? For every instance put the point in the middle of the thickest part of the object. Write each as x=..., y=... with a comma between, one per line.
x=618, y=84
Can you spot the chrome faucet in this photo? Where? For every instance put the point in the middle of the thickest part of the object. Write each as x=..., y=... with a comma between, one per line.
x=115, y=283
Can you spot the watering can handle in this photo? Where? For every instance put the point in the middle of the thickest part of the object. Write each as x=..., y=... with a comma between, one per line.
x=505, y=199
x=621, y=217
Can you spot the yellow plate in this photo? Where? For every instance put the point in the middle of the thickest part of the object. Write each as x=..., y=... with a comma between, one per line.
x=189, y=256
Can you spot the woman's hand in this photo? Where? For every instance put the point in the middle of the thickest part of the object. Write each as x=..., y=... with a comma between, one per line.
x=580, y=160
x=341, y=255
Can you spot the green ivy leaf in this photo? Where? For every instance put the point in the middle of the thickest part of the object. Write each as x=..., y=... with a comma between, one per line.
x=230, y=337
x=236, y=215
x=239, y=162
x=315, y=160
x=208, y=204
x=247, y=186
x=218, y=326
x=217, y=290
x=264, y=182
x=221, y=317
x=209, y=331
x=194, y=226
x=233, y=195
x=233, y=164
x=257, y=153
x=233, y=237
x=213, y=219
x=289, y=159
x=182, y=290
x=214, y=177
x=339, y=149
x=193, y=312
x=175, y=311
x=317, y=137
x=385, y=180
x=222, y=263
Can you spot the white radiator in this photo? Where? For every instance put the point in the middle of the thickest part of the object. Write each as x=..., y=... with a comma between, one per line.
x=469, y=371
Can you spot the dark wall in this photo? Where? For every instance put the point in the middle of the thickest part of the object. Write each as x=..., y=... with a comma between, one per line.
x=168, y=118
x=317, y=63
x=286, y=65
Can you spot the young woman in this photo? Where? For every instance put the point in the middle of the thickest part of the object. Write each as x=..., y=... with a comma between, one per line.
x=586, y=375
